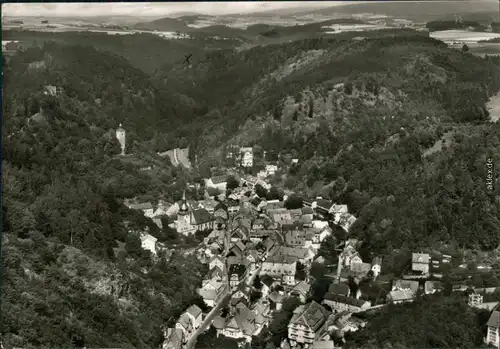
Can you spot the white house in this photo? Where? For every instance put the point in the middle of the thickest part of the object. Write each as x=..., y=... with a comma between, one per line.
x=148, y=242
x=420, y=262
x=216, y=261
x=377, y=266
x=219, y=182
x=195, y=314
x=247, y=156
x=271, y=170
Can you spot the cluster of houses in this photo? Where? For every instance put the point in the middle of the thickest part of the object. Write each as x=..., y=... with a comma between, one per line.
x=249, y=236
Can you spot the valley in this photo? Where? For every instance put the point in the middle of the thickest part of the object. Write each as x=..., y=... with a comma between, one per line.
x=199, y=180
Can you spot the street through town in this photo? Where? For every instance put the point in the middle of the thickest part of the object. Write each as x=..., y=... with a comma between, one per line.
x=208, y=319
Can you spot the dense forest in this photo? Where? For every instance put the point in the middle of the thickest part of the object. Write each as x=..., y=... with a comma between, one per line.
x=73, y=265
x=366, y=142
x=431, y=323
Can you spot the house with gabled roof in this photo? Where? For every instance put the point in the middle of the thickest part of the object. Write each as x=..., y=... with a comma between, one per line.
x=219, y=182
x=306, y=321
x=185, y=324
x=174, y=339
x=216, y=261
x=258, y=204
x=146, y=207
x=240, y=233
x=233, y=206
x=195, y=314
x=321, y=206
x=493, y=332
x=420, y=262
x=211, y=192
x=220, y=210
x=237, y=273
x=403, y=291
x=212, y=291
x=301, y=290
x=148, y=242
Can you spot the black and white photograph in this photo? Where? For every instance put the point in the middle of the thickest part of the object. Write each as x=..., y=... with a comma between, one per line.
x=250, y=175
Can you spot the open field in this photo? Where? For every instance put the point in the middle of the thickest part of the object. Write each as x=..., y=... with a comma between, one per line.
x=450, y=36
x=494, y=108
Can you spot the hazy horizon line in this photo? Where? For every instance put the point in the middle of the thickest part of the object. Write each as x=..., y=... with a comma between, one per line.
x=158, y=9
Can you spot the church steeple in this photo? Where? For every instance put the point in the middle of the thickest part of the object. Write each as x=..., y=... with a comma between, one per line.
x=184, y=206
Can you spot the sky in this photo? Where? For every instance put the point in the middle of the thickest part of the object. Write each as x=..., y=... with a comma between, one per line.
x=152, y=8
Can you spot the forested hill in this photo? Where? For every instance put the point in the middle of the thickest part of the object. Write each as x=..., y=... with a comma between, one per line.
x=363, y=116
x=70, y=265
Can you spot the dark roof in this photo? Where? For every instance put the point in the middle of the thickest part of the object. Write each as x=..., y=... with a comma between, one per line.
x=219, y=179
x=494, y=320
x=291, y=226
x=256, y=201
x=221, y=206
x=141, y=206
x=237, y=269
x=344, y=299
x=307, y=210
x=232, y=203
x=213, y=191
x=267, y=280
x=342, y=289
x=325, y=204
x=202, y=216
x=312, y=315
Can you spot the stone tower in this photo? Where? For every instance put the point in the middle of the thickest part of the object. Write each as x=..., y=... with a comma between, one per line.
x=120, y=135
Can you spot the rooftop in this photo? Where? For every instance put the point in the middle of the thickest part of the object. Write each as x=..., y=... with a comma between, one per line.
x=312, y=315
x=219, y=179
x=494, y=320
x=344, y=299
x=201, y=216
x=420, y=258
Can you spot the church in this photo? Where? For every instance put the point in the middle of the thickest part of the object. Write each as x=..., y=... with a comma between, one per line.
x=190, y=221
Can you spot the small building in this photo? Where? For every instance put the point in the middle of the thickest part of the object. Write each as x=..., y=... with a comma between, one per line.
x=420, y=262
x=376, y=266
x=146, y=207
x=475, y=299
x=219, y=182
x=148, y=242
x=216, y=262
x=271, y=170
x=492, y=334
x=237, y=273
x=342, y=303
x=174, y=339
x=195, y=314
x=246, y=156
x=211, y=292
